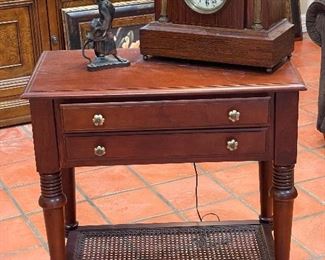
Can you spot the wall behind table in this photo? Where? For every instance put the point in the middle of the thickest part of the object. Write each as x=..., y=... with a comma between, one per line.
x=304, y=4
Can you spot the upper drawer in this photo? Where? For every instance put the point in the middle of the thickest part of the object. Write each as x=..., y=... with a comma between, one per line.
x=173, y=114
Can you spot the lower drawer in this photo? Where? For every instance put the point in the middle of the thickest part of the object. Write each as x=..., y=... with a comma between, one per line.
x=164, y=147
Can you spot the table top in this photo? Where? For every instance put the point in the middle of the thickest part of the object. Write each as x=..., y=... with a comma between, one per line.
x=63, y=74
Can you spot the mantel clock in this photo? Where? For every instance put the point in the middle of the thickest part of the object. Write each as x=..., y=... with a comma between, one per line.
x=244, y=32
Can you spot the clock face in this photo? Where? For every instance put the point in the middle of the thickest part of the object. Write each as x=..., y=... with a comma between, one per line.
x=205, y=6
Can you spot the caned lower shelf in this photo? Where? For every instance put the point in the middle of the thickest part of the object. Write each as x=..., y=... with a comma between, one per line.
x=228, y=240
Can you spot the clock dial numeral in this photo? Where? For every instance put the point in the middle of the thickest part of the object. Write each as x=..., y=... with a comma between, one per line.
x=205, y=6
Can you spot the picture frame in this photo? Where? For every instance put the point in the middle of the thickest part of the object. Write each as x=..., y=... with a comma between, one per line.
x=130, y=16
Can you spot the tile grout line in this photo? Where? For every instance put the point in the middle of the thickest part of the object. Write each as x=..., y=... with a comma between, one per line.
x=10, y=218
x=307, y=111
x=311, y=194
x=26, y=219
x=303, y=247
x=161, y=197
x=114, y=193
x=23, y=185
x=308, y=180
x=17, y=138
x=86, y=171
x=192, y=208
x=128, y=190
x=306, y=124
x=246, y=204
x=86, y=198
x=93, y=205
x=183, y=210
x=310, y=114
x=319, y=213
x=154, y=184
x=139, y=188
x=319, y=155
x=309, y=149
x=106, y=195
x=19, y=251
x=141, y=220
x=21, y=160
x=233, y=194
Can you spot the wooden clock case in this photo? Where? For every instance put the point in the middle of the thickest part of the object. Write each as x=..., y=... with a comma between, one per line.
x=243, y=32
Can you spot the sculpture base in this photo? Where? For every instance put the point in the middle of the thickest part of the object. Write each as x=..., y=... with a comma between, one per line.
x=107, y=62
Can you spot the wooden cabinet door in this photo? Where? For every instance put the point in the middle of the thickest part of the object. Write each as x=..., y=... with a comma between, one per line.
x=16, y=45
x=18, y=49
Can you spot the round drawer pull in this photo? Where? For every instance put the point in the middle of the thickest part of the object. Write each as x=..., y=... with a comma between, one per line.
x=98, y=120
x=234, y=115
x=232, y=145
x=100, y=151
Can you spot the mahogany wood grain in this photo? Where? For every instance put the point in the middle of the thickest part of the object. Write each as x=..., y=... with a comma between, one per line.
x=162, y=78
x=266, y=48
x=44, y=136
x=249, y=21
x=237, y=14
x=180, y=114
x=52, y=200
x=272, y=12
x=230, y=16
x=241, y=32
x=266, y=201
x=167, y=146
x=286, y=141
x=69, y=189
x=284, y=194
x=55, y=233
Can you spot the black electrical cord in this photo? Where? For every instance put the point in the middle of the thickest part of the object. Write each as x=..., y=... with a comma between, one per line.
x=197, y=197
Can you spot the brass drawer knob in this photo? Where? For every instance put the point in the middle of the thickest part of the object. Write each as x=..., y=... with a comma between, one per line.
x=232, y=145
x=100, y=151
x=98, y=120
x=234, y=115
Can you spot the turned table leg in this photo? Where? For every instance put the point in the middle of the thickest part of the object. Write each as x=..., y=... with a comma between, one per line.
x=52, y=200
x=266, y=202
x=284, y=194
x=69, y=189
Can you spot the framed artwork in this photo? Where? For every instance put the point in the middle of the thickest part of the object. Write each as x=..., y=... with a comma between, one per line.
x=130, y=16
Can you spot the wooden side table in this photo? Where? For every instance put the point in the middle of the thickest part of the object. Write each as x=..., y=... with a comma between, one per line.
x=161, y=112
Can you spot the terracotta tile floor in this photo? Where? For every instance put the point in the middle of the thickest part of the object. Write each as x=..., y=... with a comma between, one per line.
x=168, y=189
